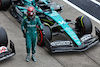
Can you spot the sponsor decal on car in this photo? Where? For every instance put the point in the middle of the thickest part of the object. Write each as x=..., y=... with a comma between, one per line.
x=59, y=43
x=62, y=22
x=3, y=49
x=86, y=37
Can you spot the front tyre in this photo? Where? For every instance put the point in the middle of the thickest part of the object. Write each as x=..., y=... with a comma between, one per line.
x=83, y=25
x=3, y=37
x=40, y=37
x=47, y=32
x=4, y=4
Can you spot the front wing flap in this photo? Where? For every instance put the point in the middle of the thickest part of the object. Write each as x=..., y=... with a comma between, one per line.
x=9, y=53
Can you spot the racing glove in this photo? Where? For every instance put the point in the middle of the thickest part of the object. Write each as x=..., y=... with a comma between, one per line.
x=24, y=35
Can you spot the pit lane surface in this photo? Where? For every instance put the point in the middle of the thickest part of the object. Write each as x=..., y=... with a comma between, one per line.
x=89, y=58
x=89, y=6
x=98, y=0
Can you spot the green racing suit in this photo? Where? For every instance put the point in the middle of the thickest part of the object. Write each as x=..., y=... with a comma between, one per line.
x=31, y=32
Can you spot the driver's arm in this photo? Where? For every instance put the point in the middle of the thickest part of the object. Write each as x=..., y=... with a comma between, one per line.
x=23, y=26
x=23, y=23
x=39, y=23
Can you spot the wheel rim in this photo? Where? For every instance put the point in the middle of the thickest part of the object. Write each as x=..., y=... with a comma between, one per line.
x=40, y=36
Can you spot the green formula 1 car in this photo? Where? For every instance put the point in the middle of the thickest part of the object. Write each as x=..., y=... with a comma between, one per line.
x=79, y=37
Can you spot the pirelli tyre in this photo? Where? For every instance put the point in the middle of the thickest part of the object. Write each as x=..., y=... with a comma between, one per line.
x=83, y=25
x=47, y=31
x=40, y=37
x=4, y=4
x=3, y=37
x=47, y=34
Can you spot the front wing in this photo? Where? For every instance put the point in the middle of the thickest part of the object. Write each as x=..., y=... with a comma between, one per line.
x=9, y=53
x=65, y=46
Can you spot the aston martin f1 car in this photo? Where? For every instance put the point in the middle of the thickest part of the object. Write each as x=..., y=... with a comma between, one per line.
x=4, y=51
x=80, y=38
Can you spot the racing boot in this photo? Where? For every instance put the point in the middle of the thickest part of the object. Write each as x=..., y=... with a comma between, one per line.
x=28, y=57
x=33, y=58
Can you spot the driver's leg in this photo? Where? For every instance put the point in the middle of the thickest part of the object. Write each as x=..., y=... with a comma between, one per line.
x=28, y=46
x=34, y=43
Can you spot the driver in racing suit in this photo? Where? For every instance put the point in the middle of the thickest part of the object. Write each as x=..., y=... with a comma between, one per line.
x=30, y=21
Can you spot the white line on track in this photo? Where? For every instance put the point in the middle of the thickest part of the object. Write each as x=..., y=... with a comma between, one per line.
x=96, y=2
x=82, y=11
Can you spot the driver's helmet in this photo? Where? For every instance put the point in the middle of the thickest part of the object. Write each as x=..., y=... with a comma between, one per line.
x=31, y=12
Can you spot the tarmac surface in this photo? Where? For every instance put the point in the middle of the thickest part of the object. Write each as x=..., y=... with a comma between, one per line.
x=88, y=6
x=89, y=58
x=98, y=0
